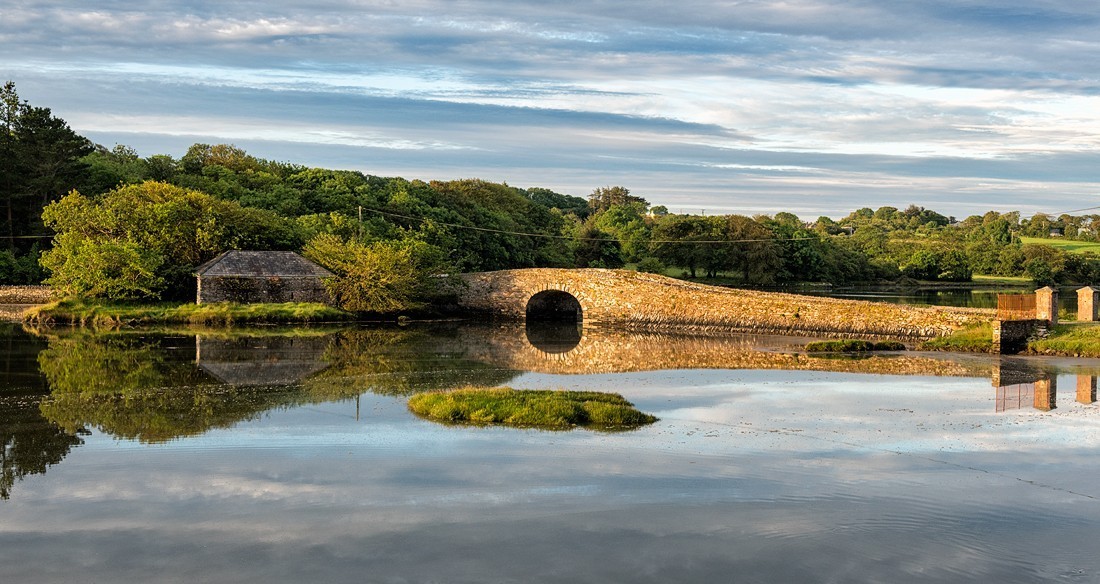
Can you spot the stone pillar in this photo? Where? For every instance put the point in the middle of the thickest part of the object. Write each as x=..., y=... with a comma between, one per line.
x=1046, y=394
x=1087, y=301
x=1086, y=389
x=1046, y=305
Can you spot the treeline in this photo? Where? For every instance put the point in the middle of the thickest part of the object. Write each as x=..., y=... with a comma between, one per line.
x=111, y=223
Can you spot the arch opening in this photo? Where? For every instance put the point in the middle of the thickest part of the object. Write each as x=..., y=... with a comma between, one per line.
x=554, y=306
x=553, y=337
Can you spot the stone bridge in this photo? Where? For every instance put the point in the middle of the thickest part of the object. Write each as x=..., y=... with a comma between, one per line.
x=642, y=301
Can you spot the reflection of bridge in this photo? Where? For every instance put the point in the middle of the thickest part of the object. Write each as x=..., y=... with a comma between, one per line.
x=609, y=350
x=652, y=302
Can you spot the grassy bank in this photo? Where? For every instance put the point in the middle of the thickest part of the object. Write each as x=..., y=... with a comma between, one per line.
x=1073, y=340
x=104, y=313
x=977, y=339
x=529, y=408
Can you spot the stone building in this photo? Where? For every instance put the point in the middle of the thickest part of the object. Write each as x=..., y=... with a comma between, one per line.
x=261, y=276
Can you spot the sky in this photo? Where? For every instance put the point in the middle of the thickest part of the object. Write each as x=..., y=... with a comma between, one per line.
x=816, y=107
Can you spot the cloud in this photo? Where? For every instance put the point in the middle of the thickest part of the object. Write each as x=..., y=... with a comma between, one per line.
x=931, y=99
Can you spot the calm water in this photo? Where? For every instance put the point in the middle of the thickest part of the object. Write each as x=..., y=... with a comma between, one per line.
x=289, y=456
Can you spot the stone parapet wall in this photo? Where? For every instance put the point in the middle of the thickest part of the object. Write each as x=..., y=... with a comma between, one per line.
x=652, y=302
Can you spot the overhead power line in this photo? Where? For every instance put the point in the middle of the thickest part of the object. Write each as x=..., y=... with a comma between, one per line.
x=606, y=239
x=1076, y=211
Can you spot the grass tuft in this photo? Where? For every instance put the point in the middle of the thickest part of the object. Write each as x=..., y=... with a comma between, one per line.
x=529, y=408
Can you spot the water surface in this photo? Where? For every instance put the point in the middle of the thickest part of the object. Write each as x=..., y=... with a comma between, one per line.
x=288, y=456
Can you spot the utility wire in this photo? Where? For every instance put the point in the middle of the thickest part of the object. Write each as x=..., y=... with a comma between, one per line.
x=1075, y=211
x=550, y=236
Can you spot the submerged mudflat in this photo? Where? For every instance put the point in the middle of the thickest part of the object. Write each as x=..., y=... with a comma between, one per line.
x=289, y=455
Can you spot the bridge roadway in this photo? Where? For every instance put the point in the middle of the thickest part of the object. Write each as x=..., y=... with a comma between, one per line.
x=642, y=301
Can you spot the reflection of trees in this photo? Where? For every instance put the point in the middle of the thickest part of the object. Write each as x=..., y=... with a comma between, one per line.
x=398, y=362
x=130, y=386
x=145, y=387
x=29, y=444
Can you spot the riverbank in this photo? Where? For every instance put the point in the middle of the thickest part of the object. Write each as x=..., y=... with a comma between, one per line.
x=1065, y=340
x=105, y=313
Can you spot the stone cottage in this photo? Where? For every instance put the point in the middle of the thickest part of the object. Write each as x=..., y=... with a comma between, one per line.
x=261, y=276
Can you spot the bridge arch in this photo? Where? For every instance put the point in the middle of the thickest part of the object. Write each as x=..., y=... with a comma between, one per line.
x=554, y=305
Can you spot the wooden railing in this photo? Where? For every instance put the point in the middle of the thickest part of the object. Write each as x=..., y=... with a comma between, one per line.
x=1015, y=306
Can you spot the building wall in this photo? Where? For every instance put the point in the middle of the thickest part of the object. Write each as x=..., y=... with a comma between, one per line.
x=652, y=302
x=269, y=289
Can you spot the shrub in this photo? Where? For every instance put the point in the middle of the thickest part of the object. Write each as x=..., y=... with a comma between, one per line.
x=534, y=408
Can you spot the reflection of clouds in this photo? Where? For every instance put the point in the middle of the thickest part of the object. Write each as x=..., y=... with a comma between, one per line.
x=615, y=508
x=908, y=414
x=774, y=476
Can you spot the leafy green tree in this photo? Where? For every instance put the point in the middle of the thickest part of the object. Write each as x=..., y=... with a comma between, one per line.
x=752, y=250
x=567, y=204
x=595, y=248
x=107, y=169
x=604, y=198
x=145, y=240
x=382, y=277
x=676, y=237
x=627, y=223
x=1040, y=271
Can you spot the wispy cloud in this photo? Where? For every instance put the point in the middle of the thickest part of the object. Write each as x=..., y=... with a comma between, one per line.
x=933, y=99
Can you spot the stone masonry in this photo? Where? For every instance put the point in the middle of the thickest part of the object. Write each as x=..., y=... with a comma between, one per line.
x=651, y=302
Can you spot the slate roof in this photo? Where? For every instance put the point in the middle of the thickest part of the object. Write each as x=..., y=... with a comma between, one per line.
x=261, y=264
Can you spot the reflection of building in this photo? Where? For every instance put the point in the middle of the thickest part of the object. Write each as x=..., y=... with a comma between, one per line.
x=265, y=360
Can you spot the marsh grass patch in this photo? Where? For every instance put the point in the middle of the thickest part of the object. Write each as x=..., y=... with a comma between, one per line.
x=550, y=409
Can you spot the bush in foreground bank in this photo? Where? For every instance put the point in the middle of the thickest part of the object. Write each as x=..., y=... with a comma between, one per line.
x=529, y=408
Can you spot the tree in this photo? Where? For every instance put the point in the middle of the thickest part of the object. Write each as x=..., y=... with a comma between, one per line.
x=673, y=239
x=603, y=198
x=627, y=223
x=145, y=240
x=565, y=203
x=40, y=160
x=595, y=248
x=382, y=277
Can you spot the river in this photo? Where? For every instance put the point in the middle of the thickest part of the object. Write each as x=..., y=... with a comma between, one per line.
x=288, y=455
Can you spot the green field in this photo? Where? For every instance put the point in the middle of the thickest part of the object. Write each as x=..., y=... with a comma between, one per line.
x=1065, y=244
